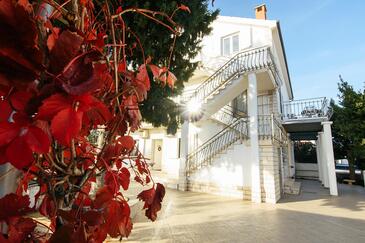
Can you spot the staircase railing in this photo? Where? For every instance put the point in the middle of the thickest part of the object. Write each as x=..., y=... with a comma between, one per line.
x=204, y=154
x=242, y=62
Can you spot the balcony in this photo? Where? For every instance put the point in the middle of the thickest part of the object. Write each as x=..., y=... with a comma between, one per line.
x=317, y=108
x=305, y=115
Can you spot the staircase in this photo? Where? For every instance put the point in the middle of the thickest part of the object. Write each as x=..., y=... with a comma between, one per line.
x=214, y=94
x=227, y=81
x=204, y=154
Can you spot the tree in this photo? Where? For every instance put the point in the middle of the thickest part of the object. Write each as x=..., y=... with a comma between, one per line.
x=349, y=125
x=159, y=109
x=67, y=67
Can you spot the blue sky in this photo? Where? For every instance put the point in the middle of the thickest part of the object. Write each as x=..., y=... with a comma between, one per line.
x=323, y=38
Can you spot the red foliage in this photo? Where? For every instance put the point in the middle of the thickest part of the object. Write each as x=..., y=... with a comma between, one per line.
x=61, y=76
x=152, y=200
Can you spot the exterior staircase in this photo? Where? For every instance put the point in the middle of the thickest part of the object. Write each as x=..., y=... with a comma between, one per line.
x=227, y=82
x=204, y=154
x=214, y=94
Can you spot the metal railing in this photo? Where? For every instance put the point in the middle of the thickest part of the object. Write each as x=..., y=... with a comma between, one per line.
x=242, y=62
x=269, y=127
x=204, y=154
x=307, y=109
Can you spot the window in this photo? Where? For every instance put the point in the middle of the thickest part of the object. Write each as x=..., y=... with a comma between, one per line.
x=230, y=44
x=239, y=104
x=264, y=104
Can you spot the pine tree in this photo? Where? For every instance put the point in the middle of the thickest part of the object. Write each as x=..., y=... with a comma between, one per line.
x=349, y=125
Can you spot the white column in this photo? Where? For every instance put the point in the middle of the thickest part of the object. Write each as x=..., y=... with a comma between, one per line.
x=323, y=159
x=330, y=159
x=255, y=158
x=182, y=186
x=319, y=162
x=291, y=158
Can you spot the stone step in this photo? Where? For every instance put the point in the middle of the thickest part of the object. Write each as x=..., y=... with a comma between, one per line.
x=292, y=187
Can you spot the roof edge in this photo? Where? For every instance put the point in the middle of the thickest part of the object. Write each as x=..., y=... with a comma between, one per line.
x=286, y=63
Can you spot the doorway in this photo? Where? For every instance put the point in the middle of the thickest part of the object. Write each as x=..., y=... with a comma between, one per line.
x=157, y=154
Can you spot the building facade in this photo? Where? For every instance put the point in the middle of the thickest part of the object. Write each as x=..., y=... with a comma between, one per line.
x=240, y=119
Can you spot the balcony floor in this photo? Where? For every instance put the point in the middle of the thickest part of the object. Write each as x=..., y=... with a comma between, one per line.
x=303, y=125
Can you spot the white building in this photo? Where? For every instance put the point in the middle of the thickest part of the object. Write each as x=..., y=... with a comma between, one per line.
x=242, y=118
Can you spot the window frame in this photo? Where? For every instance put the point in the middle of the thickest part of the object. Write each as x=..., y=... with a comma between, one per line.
x=232, y=50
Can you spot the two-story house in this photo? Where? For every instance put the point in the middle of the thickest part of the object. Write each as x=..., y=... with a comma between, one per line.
x=240, y=119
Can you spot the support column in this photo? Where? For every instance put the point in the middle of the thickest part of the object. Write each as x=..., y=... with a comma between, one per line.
x=330, y=159
x=291, y=158
x=319, y=162
x=182, y=182
x=255, y=157
x=325, y=182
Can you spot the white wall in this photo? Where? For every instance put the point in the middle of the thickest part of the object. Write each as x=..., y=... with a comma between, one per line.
x=228, y=170
x=252, y=33
x=306, y=170
x=170, y=149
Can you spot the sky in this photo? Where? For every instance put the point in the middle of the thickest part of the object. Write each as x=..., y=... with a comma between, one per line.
x=322, y=39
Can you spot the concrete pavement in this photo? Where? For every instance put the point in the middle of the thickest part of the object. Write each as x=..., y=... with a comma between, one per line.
x=313, y=216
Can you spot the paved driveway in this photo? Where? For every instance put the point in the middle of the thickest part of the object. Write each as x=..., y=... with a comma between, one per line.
x=314, y=216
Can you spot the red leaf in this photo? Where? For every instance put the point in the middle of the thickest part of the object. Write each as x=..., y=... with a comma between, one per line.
x=20, y=57
x=63, y=234
x=152, y=198
x=52, y=105
x=141, y=166
x=138, y=179
x=121, y=67
x=20, y=229
x=111, y=180
x=52, y=38
x=48, y=207
x=8, y=131
x=79, y=235
x=155, y=71
x=126, y=143
x=118, y=221
x=114, y=179
x=37, y=140
x=12, y=205
x=103, y=196
x=69, y=216
x=171, y=79
x=66, y=125
x=5, y=110
x=185, y=8
x=3, y=158
x=20, y=99
x=17, y=159
x=92, y=218
x=142, y=76
x=66, y=48
x=98, y=112
x=124, y=178
x=99, y=234
x=80, y=76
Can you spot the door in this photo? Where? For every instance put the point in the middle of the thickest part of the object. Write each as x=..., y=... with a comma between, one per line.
x=157, y=154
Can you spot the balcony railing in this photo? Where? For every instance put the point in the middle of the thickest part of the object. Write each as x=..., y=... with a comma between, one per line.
x=307, y=109
x=269, y=127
